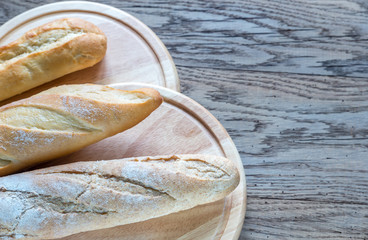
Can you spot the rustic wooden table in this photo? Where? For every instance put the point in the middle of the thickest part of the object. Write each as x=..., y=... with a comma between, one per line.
x=289, y=81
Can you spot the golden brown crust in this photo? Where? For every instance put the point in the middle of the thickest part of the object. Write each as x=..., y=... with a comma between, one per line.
x=48, y=52
x=64, y=119
x=88, y=196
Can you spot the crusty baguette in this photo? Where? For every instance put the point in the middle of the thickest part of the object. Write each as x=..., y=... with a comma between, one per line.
x=48, y=52
x=63, y=200
x=64, y=119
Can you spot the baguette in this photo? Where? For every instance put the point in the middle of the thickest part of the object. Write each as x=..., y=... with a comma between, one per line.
x=64, y=119
x=48, y=52
x=63, y=200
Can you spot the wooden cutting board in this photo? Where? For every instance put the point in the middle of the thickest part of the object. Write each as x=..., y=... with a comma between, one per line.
x=134, y=52
x=178, y=126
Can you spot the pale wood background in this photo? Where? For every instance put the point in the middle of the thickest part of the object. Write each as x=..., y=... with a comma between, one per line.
x=289, y=81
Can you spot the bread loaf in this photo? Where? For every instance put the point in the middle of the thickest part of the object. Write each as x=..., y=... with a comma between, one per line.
x=64, y=119
x=63, y=200
x=48, y=52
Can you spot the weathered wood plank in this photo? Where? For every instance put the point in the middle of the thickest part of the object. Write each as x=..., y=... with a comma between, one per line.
x=304, y=144
x=313, y=37
x=283, y=219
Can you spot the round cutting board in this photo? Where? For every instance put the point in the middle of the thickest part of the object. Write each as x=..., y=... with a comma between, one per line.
x=178, y=126
x=134, y=52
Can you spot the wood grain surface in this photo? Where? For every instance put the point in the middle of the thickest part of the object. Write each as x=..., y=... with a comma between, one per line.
x=288, y=79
